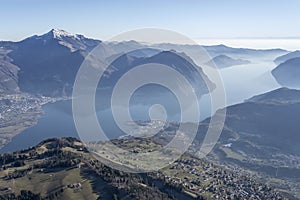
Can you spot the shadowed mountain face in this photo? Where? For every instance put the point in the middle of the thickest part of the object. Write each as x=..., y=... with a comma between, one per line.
x=284, y=58
x=223, y=61
x=8, y=74
x=151, y=93
x=179, y=62
x=267, y=123
x=185, y=66
x=287, y=74
x=48, y=63
x=266, y=126
x=262, y=134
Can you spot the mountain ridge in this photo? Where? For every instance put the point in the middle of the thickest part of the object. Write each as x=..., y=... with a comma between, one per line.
x=223, y=61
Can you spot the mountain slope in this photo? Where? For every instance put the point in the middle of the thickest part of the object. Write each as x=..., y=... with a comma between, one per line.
x=287, y=74
x=8, y=74
x=223, y=49
x=48, y=63
x=284, y=58
x=216, y=50
x=223, y=61
x=262, y=135
x=279, y=96
x=175, y=60
x=268, y=122
x=63, y=169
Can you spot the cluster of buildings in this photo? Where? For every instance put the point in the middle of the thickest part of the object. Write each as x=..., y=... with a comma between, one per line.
x=20, y=103
x=202, y=178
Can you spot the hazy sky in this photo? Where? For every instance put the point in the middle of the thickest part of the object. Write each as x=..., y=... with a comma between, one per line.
x=195, y=18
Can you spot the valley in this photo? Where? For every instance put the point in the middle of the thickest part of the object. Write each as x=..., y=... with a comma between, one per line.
x=150, y=100
x=256, y=157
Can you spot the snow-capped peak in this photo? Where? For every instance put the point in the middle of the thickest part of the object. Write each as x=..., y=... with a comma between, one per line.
x=57, y=33
x=72, y=41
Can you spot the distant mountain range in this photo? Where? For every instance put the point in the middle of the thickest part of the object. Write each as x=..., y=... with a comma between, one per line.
x=216, y=50
x=223, y=61
x=47, y=64
x=260, y=134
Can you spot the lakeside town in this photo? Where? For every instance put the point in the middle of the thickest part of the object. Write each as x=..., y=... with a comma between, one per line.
x=18, y=112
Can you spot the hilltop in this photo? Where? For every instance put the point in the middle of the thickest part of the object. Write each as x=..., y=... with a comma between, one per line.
x=63, y=169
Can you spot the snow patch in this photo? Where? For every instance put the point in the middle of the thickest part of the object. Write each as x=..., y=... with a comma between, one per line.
x=228, y=145
x=57, y=33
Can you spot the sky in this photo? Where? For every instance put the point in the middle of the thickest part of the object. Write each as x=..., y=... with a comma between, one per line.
x=197, y=19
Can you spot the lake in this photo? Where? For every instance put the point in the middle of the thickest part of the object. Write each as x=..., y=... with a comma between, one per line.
x=56, y=121
x=241, y=82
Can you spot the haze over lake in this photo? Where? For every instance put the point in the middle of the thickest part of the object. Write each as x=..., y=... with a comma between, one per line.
x=290, y=44
x=241, y=82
